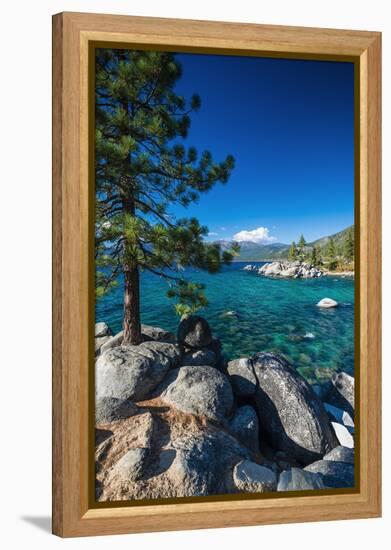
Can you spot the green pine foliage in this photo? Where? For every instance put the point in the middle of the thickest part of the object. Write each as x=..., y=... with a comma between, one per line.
x=143, y=169
x=348, y=246
x=292, y=254
x=301, y=248
x=331, y=254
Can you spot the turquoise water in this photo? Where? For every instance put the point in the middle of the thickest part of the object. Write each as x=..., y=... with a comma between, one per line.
x=270, y=315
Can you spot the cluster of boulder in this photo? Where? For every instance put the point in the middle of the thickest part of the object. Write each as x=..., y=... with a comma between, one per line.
x=287, y=270
x=174, y=419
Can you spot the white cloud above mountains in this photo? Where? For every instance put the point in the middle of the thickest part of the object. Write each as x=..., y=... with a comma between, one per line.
x=259, y=235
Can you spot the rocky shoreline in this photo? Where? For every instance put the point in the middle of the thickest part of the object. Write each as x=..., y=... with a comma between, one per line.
x=174, y=418
x=294, y=270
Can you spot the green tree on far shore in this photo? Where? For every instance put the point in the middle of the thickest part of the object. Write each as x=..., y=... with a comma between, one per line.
x=316, y=256
x=331, y=255
x=348, y=246
x=142, y=170
x=292, y=254
x=301, y=248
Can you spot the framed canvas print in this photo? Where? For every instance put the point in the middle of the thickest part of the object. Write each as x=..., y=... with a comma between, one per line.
x=216, y=230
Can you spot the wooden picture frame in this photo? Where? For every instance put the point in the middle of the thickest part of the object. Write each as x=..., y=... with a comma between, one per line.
x=73, y=33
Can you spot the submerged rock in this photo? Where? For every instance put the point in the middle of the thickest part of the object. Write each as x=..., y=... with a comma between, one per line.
x=296, y=479
x=291, y=414
x=203, y=390
x=250, y=477
x=194, y=332
x=245, y=426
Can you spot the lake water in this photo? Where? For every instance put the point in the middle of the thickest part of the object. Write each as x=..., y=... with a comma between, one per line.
x=270, y=315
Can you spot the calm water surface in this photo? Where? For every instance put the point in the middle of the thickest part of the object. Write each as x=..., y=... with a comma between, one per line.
x=270, y=315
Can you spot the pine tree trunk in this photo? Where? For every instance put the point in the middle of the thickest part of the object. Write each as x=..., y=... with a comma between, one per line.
x=132, y=317
x=132, y=323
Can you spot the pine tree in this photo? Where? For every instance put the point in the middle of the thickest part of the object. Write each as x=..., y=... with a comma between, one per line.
x=331, y=254
x=142, y=168
x=319, y=255
x=301, y=248
x=292, y=254
x=314, y=256
x=348, y=248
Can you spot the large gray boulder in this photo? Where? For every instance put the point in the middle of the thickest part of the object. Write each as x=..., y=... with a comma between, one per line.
x=341, y=454
x=148, y=334
x=99, y=342
x=291, y=414
x=194, y=332
x=193, y=469
x=296, y=479
x=108, y=409
x=157, y=334
x=113, y=342
x=341, y=393
x=203, y=391
x=132, y=372
x=250, y=477
x=335, y=474
x=162, y=350
x=245, y=426
x=344, y=384
x=204, y=462
x=242, y=377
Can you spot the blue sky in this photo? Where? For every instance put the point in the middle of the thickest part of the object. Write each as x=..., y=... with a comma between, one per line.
x=290, y=126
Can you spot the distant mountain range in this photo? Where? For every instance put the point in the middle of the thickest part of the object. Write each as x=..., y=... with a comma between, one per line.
x=255, y=252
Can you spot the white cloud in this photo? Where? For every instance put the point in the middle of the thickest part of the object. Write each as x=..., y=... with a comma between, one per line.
x=212, y=234
x=259, y=235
